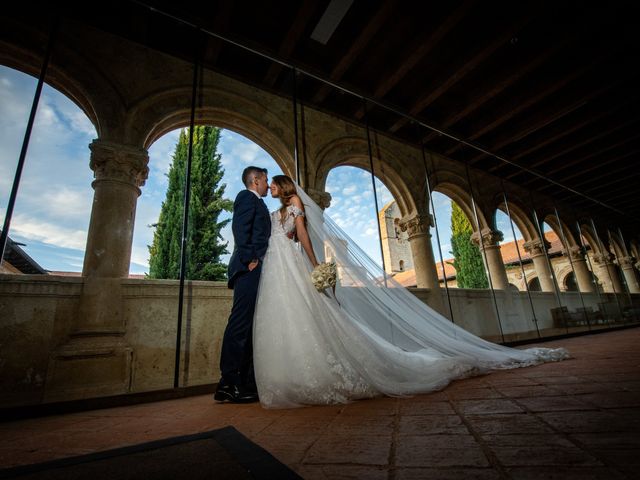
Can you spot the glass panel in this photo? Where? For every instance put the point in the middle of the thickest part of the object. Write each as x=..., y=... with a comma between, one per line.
x=594, y=300
x=519, y=313
x=571, y=268
x=24, y=315
x=616, y=300
x=225, y=142
x=551, y=312
x=474, y=302
x=630, y=275
x=157, y=240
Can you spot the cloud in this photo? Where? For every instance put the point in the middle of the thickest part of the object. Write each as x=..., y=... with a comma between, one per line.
x=51, y=234
x=349, y=190
x=67, y=202
x=140, y=256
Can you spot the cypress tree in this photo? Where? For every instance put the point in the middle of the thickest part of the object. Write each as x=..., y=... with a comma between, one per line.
x=467, y=257
x=204, y=246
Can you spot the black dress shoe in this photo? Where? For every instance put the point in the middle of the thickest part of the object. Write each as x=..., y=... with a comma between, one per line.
x=234, y=394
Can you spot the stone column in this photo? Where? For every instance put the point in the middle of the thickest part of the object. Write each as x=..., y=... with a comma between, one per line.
x=424, y=263
x=536, y=249
x=580, y=269
x=607, y=273
x=96, y=360
x=490, y=250
x=119, y=171
x=417, y=228
x=628, y=270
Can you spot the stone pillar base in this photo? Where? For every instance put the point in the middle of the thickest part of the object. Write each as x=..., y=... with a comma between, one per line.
x=86, y=367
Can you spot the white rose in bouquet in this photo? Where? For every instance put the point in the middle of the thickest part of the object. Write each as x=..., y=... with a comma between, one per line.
x=324, y=276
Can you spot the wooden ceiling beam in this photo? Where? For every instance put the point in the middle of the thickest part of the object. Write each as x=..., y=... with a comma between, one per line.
x=441, y=86
x=291, y=39
x=508, y=111
x=419, y=49
x=545, y=118
x=588, y=140
x=495, y=89
x=220, y=25
x=586, y=170
x=377, y=21
x=560, y=132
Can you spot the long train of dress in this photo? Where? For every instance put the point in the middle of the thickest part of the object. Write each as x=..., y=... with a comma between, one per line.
x=369, y=339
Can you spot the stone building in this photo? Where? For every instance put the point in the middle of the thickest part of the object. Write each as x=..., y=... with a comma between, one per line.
x=396, y=249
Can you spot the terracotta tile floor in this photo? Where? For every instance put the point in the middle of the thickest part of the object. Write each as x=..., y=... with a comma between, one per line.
x=578, y=419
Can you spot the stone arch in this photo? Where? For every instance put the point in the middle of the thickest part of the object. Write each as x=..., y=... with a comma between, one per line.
x=354, y=152
x=562, y=231
x=70, y=73
x=533, y=284
x=563, y=274
x=167, y=110
x=591, y=237
x=617, y=245
x=635, y=249
x=455, y=187
x=521, y=219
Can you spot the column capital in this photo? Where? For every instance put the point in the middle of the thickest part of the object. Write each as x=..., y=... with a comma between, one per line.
x=536, y=247
x=417, y=225
x=603, y=258
x=323, y=199
x=120, y=163
x=575, y=253
x=626, y=262
x=490, y=238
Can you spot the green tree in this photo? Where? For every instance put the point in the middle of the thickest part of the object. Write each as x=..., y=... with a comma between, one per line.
x=204, y=245
x=467, y=257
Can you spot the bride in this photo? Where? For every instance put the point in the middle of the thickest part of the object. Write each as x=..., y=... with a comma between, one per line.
x=367, y=338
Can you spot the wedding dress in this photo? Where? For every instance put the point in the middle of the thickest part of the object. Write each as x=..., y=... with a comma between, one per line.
x=372, y=337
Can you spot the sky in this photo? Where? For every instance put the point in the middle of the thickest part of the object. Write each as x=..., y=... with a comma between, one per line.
x=53, y=206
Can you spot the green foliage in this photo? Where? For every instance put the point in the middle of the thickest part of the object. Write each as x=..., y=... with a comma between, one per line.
x=204, y=247
x=467, y=257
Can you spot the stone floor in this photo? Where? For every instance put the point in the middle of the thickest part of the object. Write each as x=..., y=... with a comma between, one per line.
x=578, y=419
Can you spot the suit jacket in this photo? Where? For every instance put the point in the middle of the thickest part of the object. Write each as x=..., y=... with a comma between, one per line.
x=251, y=226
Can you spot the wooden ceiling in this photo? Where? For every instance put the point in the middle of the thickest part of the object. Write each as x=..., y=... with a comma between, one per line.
x=548, y=86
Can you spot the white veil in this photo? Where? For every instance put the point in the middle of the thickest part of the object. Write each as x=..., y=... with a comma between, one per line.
x=390, y=312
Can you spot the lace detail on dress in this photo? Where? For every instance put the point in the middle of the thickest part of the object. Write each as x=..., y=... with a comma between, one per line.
x=288, y=225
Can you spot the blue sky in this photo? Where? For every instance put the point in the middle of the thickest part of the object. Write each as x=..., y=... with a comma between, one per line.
x=53, y=207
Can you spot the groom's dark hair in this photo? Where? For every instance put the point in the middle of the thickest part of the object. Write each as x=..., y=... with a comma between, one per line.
x=249, y=172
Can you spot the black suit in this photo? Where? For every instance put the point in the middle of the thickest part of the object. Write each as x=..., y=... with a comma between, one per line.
x=251, y=227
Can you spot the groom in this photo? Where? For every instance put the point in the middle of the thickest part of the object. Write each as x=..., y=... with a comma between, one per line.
x=251, y=227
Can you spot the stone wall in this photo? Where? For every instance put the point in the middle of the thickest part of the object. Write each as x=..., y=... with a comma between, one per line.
x=38, y=314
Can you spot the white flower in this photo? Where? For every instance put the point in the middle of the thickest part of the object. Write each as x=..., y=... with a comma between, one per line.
x=324, y=276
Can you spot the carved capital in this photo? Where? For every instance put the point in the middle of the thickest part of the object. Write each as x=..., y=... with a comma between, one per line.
x=603, y=258
x=626, y=263
x=322, y=199
x=119, y=163
x=490, y=238
x=575, y=253
x=417, y=225
x=536, y=247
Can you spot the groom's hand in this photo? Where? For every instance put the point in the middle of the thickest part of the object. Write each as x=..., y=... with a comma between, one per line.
x=253, y=264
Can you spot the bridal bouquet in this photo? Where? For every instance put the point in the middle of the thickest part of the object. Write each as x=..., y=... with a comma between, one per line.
x=324, y=276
